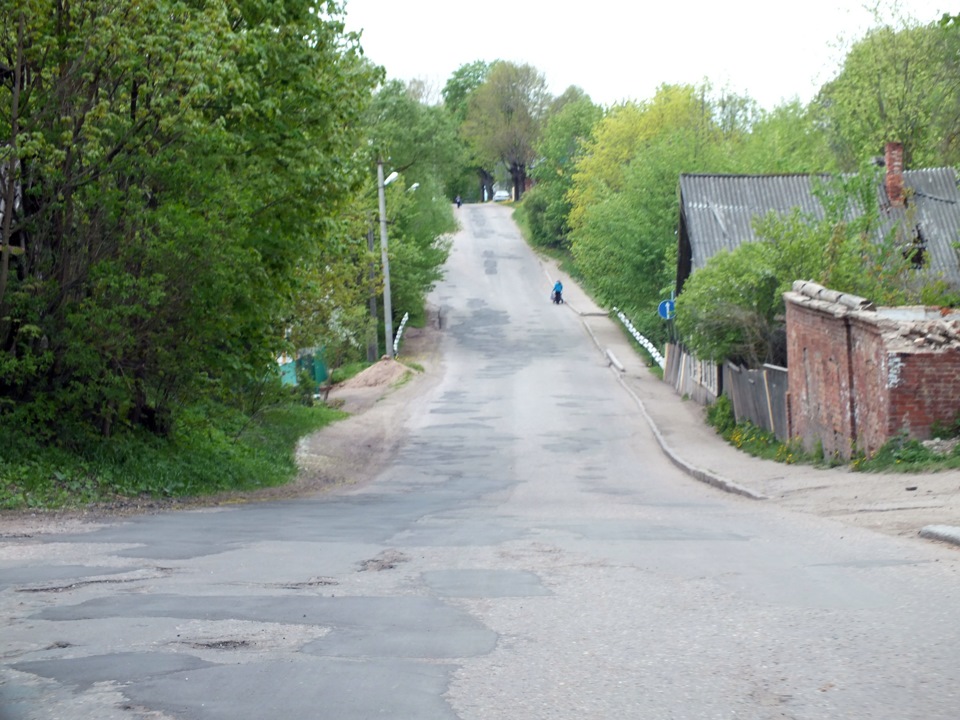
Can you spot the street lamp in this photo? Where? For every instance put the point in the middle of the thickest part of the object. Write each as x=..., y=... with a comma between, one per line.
x=387, y=309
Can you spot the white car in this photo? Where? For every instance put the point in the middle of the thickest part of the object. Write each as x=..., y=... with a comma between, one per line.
x=501, y=196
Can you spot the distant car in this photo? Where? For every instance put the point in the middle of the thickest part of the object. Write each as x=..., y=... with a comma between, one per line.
x=501, y=196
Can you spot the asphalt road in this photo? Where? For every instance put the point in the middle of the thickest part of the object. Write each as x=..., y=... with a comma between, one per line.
x=528, y=553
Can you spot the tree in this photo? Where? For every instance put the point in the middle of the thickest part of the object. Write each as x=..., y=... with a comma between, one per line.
x=786, y=139
x=624, y=197
x=504, y=119
x=892, y=87
x=180, y=164
x=413, y=138
x=568, y=126
x=420, y=142
x=456, y=94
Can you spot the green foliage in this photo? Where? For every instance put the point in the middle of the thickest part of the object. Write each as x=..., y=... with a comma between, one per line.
x=901, y=454
x=504, y=119
x=214, y=449
x=420, y=141
x=460, y=85
x=569, y=124
x=786, y=139
x=419, y=246
x=345, y=372
x=733, y=307
x=946, y=429
x=896, y=84
x=623, y=217
x=750, y=438
x=720, y=415
x=729, y=308
x=197, y=159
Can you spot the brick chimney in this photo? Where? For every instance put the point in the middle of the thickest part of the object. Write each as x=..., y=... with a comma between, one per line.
x=893, y=159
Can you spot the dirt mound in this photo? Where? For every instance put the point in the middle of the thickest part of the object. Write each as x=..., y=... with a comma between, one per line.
x=385, y=372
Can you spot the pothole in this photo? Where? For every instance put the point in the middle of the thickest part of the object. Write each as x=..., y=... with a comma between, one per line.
x=387, y=560
x=248, y=641
x=221, y=645
x=311, y=583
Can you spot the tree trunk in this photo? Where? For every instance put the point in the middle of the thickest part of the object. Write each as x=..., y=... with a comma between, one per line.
x=10, y=176
x=486, y=185
x=518, y=173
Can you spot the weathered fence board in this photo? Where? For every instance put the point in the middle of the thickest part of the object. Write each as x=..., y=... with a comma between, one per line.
x=759, y=396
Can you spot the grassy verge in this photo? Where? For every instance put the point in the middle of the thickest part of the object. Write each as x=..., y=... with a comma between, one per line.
x=909, y=456
x=751, y=439
x=213, y=450
x=900, y=454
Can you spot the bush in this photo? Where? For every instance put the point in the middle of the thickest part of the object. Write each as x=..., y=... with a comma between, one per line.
x=213, y=449
x=720, y=416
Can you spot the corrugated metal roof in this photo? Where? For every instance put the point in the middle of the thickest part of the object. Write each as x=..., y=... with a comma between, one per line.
x=719, y=211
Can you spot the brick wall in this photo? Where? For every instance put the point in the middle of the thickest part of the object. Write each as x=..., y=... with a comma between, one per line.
x=819, y=378
x=858, y=378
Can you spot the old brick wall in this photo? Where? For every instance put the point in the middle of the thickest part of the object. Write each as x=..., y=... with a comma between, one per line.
x=869, y=362
x=819, y=378
x=858, y=378
x=924, y=388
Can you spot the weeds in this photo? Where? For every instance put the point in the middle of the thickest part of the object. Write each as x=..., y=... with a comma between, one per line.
x=213, y=449
x=750, y=438
x=902, y=454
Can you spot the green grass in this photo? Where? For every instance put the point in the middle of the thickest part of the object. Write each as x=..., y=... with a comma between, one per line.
x=212, y=450
x=908, y=456
x=752, y=439
x=900, y=454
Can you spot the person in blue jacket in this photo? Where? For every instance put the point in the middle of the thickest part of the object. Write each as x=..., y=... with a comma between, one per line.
x=557, y=294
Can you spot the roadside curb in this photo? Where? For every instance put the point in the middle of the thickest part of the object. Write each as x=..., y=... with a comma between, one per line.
x=944, y=533
x=693, y=471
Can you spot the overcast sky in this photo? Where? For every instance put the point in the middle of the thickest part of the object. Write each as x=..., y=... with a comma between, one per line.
x=621, y=50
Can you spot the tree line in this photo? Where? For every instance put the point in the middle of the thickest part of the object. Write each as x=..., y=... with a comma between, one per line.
x=606, y=186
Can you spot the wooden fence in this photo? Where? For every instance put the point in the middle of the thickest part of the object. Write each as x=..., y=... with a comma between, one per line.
x=690, y=377
x=759, y=396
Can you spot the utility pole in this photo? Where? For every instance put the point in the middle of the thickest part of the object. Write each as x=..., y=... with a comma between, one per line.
x=387, y=305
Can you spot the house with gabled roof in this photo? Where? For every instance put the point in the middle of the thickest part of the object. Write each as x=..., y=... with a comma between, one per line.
x=857, y=375
x=717, y=212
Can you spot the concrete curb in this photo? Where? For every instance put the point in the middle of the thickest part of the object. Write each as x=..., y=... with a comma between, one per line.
x=944, y=533
x=693, y=471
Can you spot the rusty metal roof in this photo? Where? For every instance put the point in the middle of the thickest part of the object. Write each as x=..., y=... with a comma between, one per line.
x=718, y=211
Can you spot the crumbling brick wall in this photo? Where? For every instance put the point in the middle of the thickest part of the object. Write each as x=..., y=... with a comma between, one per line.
x=860, y=375
x=818, y=366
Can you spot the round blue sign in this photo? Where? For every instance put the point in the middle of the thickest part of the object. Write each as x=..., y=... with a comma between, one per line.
x=667, y=309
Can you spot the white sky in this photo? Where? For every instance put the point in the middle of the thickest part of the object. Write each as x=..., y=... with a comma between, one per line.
x=621, y=50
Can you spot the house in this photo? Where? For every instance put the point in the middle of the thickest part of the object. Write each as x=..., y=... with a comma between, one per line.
x=717, y=212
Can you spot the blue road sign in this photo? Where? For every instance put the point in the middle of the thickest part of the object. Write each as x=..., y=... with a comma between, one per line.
x=667, y=309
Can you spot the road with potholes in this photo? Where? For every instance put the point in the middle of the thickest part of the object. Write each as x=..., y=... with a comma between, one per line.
x=515, y=544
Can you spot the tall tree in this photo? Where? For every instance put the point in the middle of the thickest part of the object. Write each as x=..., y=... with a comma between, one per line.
x=624, y=195
x=179, y=162
x=456, y=95
x=891, y=88
x=505, y=116
x=569, y=124
x=786, y=139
